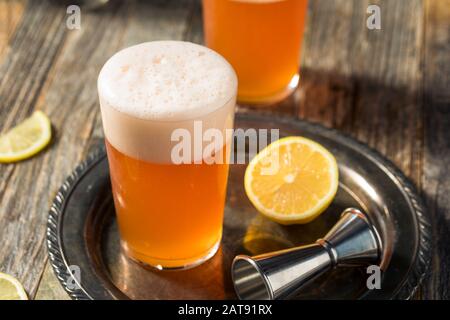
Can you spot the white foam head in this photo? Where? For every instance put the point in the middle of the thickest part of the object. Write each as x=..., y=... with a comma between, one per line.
x=148, y=90
x=166, y=80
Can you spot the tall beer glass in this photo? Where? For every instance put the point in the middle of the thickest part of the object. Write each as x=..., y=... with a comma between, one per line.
x=262, y=41
x=153, y=97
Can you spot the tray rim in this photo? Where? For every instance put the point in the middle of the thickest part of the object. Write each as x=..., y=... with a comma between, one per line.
x=417, y=273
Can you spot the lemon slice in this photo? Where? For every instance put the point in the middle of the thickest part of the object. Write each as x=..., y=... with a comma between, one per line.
x=11, y=289
x=26, y=139
x=293, y=180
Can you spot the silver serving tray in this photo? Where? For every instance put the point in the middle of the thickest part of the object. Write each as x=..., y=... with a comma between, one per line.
x=82, y=230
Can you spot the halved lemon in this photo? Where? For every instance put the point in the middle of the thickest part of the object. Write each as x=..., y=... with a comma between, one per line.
x=26, y=139
x=10, y=288
x=293, y=180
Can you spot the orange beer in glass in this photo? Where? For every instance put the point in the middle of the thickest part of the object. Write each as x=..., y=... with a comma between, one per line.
x=170, y=213
x=262, y=41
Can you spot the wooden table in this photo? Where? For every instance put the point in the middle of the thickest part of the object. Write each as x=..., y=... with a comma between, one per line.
x=389, y=88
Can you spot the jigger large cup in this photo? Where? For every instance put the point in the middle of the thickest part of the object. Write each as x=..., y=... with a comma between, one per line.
x=353, y=241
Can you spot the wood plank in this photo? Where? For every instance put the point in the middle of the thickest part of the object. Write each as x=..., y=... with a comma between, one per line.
x=366, y=82
x=24, y=204
x=11, y=12
x=70, y=93
x=436, y=163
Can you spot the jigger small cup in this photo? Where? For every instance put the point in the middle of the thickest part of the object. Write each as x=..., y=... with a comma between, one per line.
x=353, y=241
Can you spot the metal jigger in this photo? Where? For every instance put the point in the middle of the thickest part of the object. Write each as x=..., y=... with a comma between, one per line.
x=353, y=241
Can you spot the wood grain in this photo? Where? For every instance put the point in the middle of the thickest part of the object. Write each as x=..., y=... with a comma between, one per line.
x=436, y=161
x=365, y=81
x=24, y=187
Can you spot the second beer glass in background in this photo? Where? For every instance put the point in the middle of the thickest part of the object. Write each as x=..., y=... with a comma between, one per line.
x=262, y=40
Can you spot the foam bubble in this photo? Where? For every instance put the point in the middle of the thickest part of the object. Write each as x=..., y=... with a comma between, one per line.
x=170, y=80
